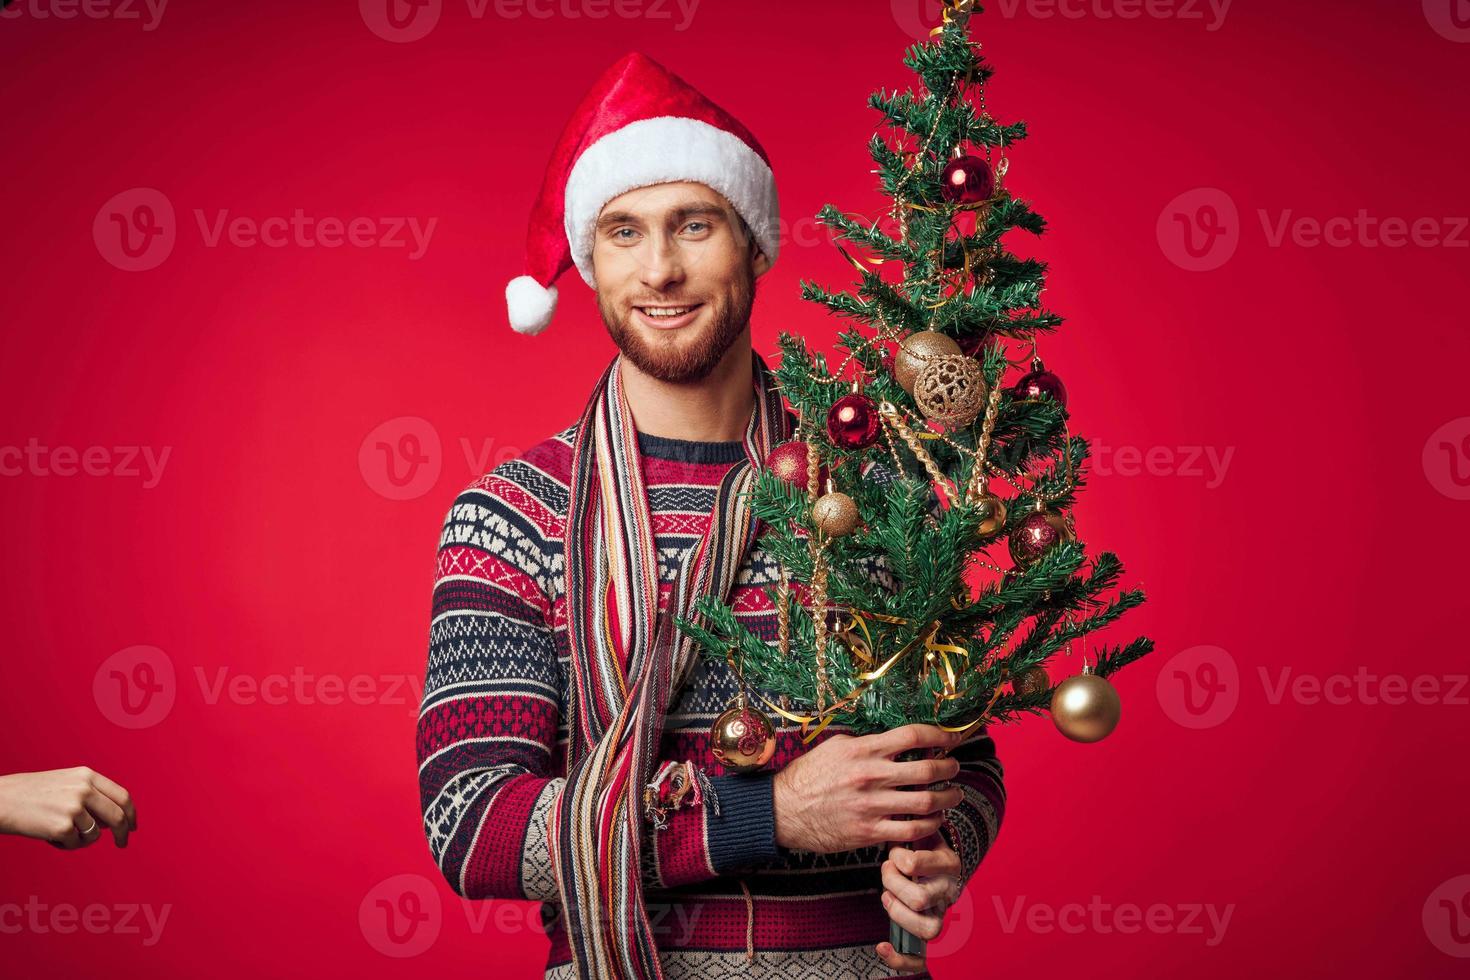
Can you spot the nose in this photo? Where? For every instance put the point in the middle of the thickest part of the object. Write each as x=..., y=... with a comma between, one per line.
x=663, y=265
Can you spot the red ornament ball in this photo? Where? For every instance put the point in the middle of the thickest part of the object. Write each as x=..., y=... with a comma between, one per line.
x=1038, y=533
x=966, y=180
x=853, y=422
x=1039, y=383
x=789, y=462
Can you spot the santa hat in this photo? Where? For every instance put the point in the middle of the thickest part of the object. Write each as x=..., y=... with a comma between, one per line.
x=639, y=125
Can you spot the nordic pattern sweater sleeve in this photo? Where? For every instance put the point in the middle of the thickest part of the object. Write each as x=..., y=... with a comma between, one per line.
x=973, y=824
x=487, y=740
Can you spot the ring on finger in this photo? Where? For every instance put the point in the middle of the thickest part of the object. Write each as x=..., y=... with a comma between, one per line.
x=88, y=830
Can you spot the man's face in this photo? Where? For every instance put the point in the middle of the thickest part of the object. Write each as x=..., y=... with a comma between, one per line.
x=675, y=276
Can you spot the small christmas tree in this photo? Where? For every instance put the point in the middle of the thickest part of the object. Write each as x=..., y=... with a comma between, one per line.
x=920, y=465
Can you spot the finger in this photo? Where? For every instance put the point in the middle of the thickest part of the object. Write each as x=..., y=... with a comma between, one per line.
x=89, y=828
x=921, y=924
x=108, y=813
x=70, y=838
x=898, y=961
x=906, y=737
x=119, y=796
x=917, y=895
x=901, y=831
x=916, y=862
x=917, y=801
x=921, y=772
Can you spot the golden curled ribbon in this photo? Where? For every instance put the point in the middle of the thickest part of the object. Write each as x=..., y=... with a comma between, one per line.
x=860, y=646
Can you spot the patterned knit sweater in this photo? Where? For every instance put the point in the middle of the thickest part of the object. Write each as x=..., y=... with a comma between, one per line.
x=492, y=741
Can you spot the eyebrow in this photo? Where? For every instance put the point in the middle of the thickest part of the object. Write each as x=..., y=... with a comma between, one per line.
x=680, y=214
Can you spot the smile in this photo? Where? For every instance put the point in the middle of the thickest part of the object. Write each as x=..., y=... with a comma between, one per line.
x=668, y=317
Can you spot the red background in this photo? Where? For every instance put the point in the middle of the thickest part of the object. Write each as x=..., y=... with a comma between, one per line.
x=1330, y=545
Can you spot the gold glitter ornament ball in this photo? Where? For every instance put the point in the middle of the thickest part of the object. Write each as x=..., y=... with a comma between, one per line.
x=1085, y=708
x=742, y=739
x=950, y=390
x=835, y=514
x=1032, y=681
x=918, y=349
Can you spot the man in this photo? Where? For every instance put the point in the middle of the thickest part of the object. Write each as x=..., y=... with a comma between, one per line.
x=564, y=735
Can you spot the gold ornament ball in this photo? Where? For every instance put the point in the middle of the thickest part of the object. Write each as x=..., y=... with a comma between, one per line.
x=992, y=516
x=742, y=739
x=917, y=350
x=951, y=390
x=1085, y=708
x=835, y=514
x=1032, y=681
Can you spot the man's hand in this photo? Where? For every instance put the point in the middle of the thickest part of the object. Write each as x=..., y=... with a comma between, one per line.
x=845, y=792
x=919, y=885
x=67, y=807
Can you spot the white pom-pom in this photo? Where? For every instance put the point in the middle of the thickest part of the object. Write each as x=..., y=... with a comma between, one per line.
x=530, y=304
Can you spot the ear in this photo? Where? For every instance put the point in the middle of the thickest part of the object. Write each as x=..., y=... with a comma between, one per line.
x=759, y=264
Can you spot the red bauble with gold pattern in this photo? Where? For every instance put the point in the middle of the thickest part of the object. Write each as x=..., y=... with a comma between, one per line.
x=1036, y=534
x=789, y=462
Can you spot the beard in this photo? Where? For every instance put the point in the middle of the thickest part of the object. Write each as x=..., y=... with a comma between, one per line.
x=673, y=357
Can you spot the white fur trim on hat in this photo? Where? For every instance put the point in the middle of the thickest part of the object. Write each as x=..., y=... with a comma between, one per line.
x=530, y=304
x=661, y=150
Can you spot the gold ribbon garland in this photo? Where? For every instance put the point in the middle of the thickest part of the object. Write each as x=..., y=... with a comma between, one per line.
x=937, y=656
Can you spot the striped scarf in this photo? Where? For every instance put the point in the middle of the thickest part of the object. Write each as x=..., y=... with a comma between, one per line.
x=627, y=659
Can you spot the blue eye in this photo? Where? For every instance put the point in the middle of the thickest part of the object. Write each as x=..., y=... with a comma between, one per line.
x=696, y=226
